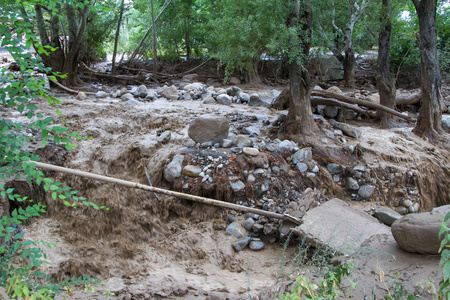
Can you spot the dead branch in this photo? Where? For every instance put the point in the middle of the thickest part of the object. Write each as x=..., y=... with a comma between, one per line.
x=69, y=90
x=409, y=99
x=169, y=193
x=365, y=103
x=333, y=102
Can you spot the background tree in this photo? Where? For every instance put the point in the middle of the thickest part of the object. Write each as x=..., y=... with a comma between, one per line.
x=429, y=122
x=300, y=118
x=385, y=81
x=337, y=28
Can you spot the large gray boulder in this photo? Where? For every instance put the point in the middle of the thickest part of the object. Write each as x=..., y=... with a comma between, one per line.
x=339, y=226
x=418, y=232
x=224, y=99
x=140, y=91
x=255, y=100
x=209, y=128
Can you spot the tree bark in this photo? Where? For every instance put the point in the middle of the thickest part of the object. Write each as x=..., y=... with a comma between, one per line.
x=429, y=123
x=349, y=68
x=116, y=39
x=385, y=82
x=155, y=56
x=300, y=118
x=187, y=42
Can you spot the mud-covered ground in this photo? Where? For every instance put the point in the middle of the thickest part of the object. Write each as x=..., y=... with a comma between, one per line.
x=144, y=249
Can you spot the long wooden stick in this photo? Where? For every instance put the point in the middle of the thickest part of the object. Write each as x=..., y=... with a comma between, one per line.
x=169, y=193
x=365, y=103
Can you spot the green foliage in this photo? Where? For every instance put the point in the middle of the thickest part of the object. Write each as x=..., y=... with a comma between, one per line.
x=330, y=287
x=20, y=260
x=444, y=235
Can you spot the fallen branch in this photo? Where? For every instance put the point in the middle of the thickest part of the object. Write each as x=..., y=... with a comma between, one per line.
x=408, y=99
x=169, y=193
x=333, y=102
x=365, y=103
x=69, y=90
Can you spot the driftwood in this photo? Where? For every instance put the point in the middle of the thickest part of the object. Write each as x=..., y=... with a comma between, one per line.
x=69, y=90
x=408, y=99
x=365, y=103
x=333, y=102
x=169, y=193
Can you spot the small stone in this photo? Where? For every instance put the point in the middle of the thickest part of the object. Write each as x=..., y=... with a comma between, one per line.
x=240, y=244
x=286, y=145
x=352, y=184
x=234, y=81
x=256, y=245
x=257, y=227
x=270, y=228
x=407, y=203
x=250, y=151
x=359, y=168
x=127, y=97
x=141, y=91
x=224, y=99
x=81, y=96
x=170, y=93
x=402, y=210
x=303, y=155
x=101, y=94
x=301, y=167
x=164, y=138
x=237, y=186
x=173, y=169
x=235, y=229
x=331, y=111
x=192, y=171
x=226, y=143
x=251, y=178
x=336, y=177
x=386, y=215
x=231, y=219
x=334, y=168
x=248, y=223
x=315, y=169
x=310, y=175
x=366, y=191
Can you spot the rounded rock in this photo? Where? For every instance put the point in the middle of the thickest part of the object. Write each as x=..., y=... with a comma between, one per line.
x=256, y=245
x=250, y=151
x=192, y=171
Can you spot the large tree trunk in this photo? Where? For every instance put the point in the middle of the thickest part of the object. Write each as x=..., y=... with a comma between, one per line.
x=385, y=82
x=300, y=118
x=349, y=68
x=116, y=39
x=429, y=123
x=252, y=76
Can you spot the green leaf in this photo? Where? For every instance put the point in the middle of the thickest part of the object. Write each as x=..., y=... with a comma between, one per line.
x=446, y=271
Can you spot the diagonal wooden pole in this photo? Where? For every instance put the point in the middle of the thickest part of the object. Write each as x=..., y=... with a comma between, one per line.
x=169, y=193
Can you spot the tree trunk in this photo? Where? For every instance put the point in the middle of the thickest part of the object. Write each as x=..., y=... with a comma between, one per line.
x=186, y=40
x=116, y=39
x=300, y=118
x=349, y=68
x=385, y=82
x=155, y=56
x=252, y=76
x=429, y=123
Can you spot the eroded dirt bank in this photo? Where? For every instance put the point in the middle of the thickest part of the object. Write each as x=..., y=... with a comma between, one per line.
x=145, y=249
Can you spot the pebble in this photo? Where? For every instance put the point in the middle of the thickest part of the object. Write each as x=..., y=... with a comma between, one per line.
x=366, y=191
x=359, y=168
x=164, y=138
x=231, y=219
x=352, y=184
x=302, y=167
x=237, y=186
x=250, y=151
x=226, y=143
x=235, y=229
x=310, y=175
x=407, y=203
x=334, y=168
x=315, y=169
x=303, y=155
x=240, y=244
x=192, y=171
x=402, y=210
x=257, y=227
x=256, y=245
x=248, y=224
